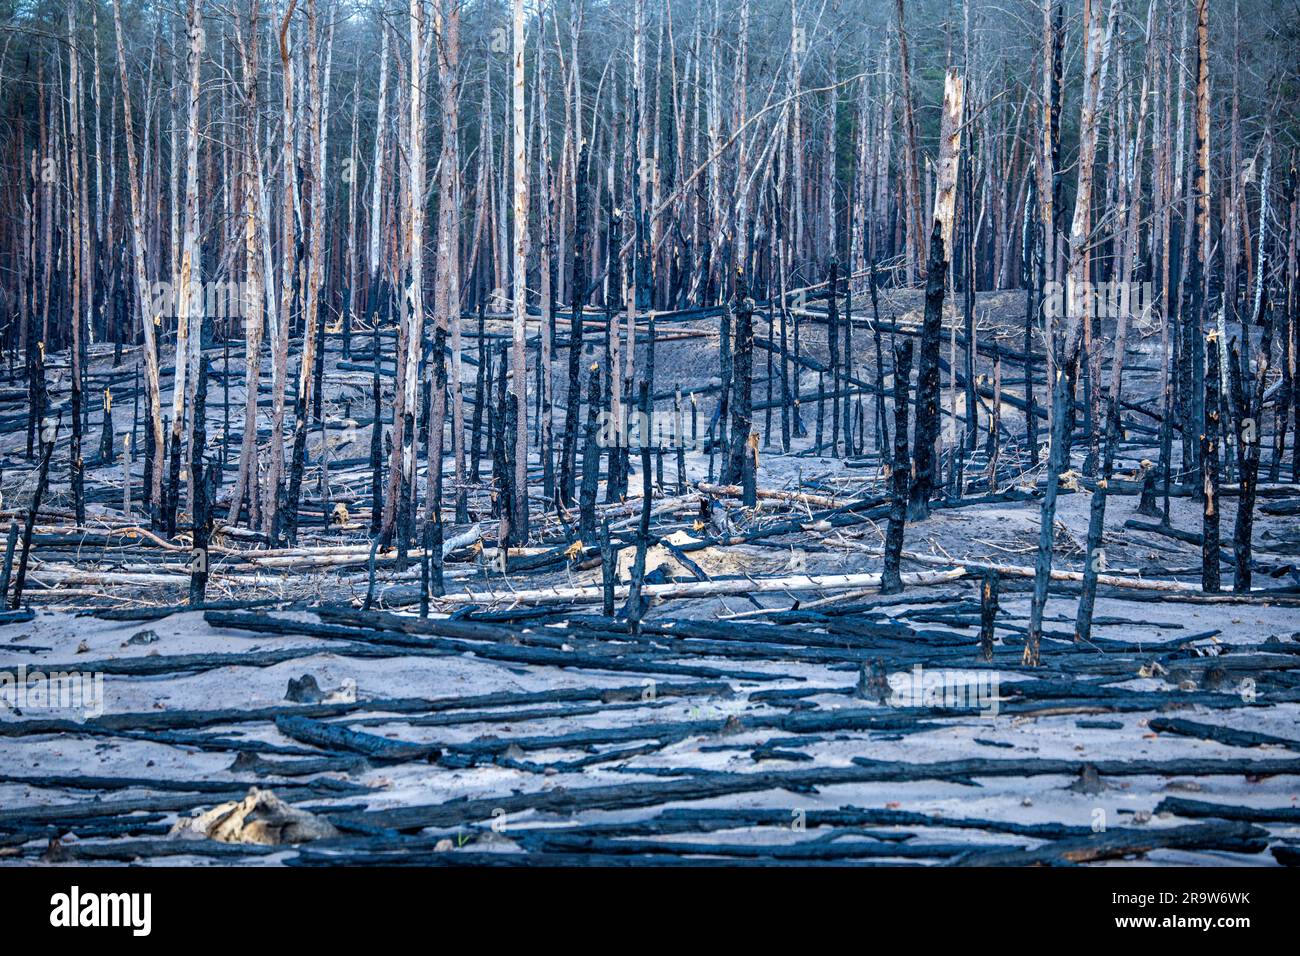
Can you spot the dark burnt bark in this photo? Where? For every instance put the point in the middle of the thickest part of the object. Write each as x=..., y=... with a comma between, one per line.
x=608, y=569
x=508, y=494
x=1209, y=459
x=833, y=350
x=1031, y=249
x=376, y=452
x=742, y=383
x=882, y=424
x=482, y=388
x=635, y=608
x=434, y=467
x=925, y=473
x=568, y=447
x=49, y=435
x=988, y=612
x=172, y=492
x=590, y=460
x=1058, y=457
x=201, y=523
x=899, y=474
x=107, y=453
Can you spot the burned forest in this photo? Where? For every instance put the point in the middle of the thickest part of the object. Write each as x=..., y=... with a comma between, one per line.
x=649, y=432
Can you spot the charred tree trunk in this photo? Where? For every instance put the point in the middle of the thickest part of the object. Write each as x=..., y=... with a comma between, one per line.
x=376, y=450
x=568, y=449
x=49, y=435
x=107, y=453
x=742, y=384
x=482, y=390
x=1249, y=402
x=590, y=460
x=635, y=608
x=833, y=352
x=882, y=425
x=891, y=582
x=199, y=469
x=1031, y=250
x=509, y=489
x=434, y=465
x=519, y=518
x=1058, y=457
x=153, y=415
x=988, y=612
x=925, y=473
x=1210, y=439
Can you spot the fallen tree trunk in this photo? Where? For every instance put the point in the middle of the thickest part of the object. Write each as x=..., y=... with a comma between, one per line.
x=332, y=737
x=798, y=497
x=691, y=589
x=627, y=796
x=1223, y=735
x=1236, y=837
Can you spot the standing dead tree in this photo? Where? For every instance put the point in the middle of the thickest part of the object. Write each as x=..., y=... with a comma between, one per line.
x=250, y=180
x=518, y=358
x=928, y=437
x=742, y=384
x=288, y=269
x=148, y=321
x=1065, y=342
x=891, y=581
x=310, y=299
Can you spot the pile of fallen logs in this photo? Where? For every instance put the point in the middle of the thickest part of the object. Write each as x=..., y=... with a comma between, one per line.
x=116, y=561
x=775, y=692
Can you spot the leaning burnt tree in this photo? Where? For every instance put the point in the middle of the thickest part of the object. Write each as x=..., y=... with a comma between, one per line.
x=1065, y=339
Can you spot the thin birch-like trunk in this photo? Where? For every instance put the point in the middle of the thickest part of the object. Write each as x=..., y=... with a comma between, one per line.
x=518, y=355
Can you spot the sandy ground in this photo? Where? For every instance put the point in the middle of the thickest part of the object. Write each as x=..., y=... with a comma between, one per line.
x=1002, y=533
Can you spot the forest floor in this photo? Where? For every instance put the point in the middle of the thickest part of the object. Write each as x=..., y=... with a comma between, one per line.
x=742, y=727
